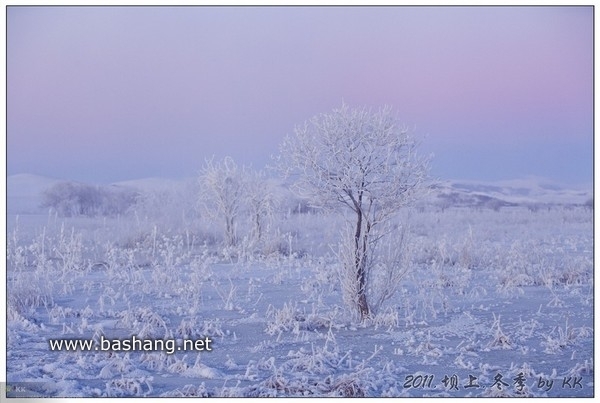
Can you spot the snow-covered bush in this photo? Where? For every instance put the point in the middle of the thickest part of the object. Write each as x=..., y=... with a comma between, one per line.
x=291, y=319
x=144, y=323
x=73, y=199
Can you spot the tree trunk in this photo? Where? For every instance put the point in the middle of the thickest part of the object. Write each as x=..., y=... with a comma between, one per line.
x=360, y=263
x=257, y=229
x=229, y=235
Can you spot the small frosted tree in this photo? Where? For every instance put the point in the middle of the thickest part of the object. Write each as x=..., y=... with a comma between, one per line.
x=222, y=192
x=261, y=202
x=363, y=161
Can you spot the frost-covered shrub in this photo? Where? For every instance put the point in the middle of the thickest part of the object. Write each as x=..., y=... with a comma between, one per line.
x=315, y=371
x=128, y=387
x=582, y=368
x=500, y=340
x=542, y=262
x=31, y=274
x=286, y=319
x=321, y=282
x=227, y=295
x=448, y=263
x=29, y=291
x=192, y=329
x=559, y=338
x=116, y=364
x=144, y=323
x=74, y=199
x=291, y=319
x=169, y=208
x=387, y=319
x=316, y=360
x=68, y=251
x=15, y=320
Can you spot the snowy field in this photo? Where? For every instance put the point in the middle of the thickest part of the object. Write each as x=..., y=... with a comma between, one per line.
x=496, y=303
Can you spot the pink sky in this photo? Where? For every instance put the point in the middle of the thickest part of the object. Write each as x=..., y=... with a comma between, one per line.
x=113, y=93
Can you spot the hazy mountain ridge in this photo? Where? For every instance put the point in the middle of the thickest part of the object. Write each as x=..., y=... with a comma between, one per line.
x=25, y=192
x=530, y=191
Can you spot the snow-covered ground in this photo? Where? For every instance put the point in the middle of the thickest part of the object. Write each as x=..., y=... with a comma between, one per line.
x=497, y=302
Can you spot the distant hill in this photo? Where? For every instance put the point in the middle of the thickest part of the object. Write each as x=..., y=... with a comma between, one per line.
x=24, y=192
x=154, y=184
x=529, y=192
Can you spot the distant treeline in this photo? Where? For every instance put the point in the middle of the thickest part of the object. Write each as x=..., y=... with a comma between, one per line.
x=76, y=199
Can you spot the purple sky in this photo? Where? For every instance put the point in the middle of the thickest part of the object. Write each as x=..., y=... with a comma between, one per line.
x=113, y=93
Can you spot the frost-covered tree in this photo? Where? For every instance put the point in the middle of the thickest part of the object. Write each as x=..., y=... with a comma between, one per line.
x=222, y=192
x=74, y=199
x=261, y=202
x=366, y=162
